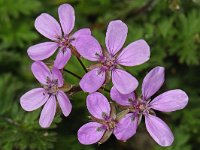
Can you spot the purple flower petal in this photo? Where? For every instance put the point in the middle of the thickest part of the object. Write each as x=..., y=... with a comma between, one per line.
x=124, y=82
x=116, y=36
x=33, y=99
x=57, y=75
x=92, y=80
x=84, y=31
x=122, y=99
x=48, y=26
x=88, y=47
x=170, y=101
x=98, y=105
x=126, y=127
x=67, y=17
x=90, y=133
x=62, y=58
x=152, y=82
x=40, y=71
x=64, y=103
x=134, y=54
x=158, y=130
x=48, y=113
x=42, y=51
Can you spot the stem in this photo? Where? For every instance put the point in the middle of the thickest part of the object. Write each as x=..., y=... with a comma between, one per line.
x=75, y=75
x=74, y=51
x=79, y=60
x=9, y=120
x=141, y=10
x=104, y=89
x=73, y=90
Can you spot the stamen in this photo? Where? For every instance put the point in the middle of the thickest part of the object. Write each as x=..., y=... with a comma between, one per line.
x=65, y=41
x=139, y=106
x=108, y=63
x=52, y=86
x=108, y=122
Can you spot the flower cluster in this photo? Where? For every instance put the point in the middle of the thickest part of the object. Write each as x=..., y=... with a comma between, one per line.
x=109, y=62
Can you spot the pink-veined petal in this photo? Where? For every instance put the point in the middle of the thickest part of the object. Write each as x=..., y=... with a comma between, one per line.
x=170, y=101
x=90, y=133
x=122, y=99
x=42, y=51
x=67, y=18
x=126, y=127
x=134, y=54
x=48, y=27
x=33, y=99
x=40, y=71
x=159, y=130
x=84, y=31
x=124, y=82
x=98, y=105
x=62, y=58
x=116, y=36
x=88, y=47
x=48, y=112
x=153, y=81
x=92, y=80
x=64, y=103
x=57, y=75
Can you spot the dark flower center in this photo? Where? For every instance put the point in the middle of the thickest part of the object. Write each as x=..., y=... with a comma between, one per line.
x=108, y=63
x=51, y=86
x=65, y=41
x=139, y=106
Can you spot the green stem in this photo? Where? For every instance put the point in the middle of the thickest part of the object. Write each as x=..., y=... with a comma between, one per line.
x=73, y=74
x=74, y=90
x=83, y=66
x=9, y=120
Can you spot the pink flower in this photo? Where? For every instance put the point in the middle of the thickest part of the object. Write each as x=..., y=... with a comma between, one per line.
x=167, y=102
x=50, y=28
x=103, y=124
x=134, y=54
x=51, y=82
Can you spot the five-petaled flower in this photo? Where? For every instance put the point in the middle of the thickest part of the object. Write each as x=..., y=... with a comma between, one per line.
x=134, y=54
x=167, y=102
x=50, y=28
x=51, y=82
x=104, y=122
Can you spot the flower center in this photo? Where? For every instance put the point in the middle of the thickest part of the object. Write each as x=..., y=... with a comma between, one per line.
x=139, y=106
x=51, y=86
x=108, y=63
x=109, y=122
x=65, y=41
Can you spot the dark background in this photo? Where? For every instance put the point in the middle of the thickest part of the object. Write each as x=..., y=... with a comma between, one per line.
x=172, y=29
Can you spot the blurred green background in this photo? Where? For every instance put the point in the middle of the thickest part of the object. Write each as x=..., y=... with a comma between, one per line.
x=172, y=29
